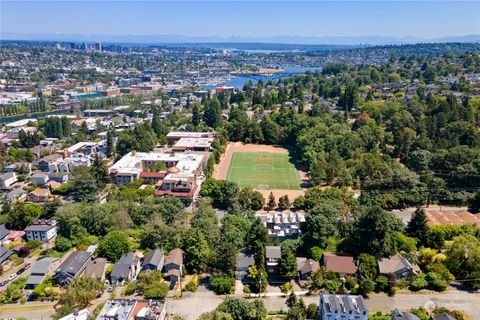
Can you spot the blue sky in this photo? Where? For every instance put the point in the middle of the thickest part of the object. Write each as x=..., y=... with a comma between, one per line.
x=247, y=18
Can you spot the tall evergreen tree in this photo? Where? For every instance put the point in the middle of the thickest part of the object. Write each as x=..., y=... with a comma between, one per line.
x=418, y=227
x=195, y=115
x=213, y=113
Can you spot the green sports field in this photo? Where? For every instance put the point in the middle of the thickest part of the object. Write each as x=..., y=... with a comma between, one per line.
x=263, y=171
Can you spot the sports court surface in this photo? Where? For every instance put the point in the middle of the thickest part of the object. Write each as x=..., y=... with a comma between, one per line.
x=263, y=171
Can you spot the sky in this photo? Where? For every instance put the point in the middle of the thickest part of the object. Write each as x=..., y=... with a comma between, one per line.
x=227, y=18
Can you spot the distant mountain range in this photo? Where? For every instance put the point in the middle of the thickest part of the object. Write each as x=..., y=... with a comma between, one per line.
x=172, y=39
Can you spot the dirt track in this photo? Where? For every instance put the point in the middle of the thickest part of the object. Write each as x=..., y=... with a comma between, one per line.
x=221, y=170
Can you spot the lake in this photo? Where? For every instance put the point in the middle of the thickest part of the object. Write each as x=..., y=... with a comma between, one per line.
x=239, y=81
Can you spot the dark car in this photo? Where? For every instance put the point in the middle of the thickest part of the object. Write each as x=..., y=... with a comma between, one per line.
x=19, y=272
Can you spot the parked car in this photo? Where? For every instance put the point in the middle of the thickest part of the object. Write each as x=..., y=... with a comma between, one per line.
x=19, y=272
x=11, y=277
x=27, y=265
x=3, y=283
x=110, y=289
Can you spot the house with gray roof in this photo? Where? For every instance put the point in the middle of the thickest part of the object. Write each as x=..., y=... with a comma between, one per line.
x=273, y=254
x=126, y=269
x=41, y=229
x=403, y=315
x=242, y=263
x=72, y=267
x=96, y=268
x=154, y=261
x=3, y=232
x=340, y=306
x=40, y=269
x=4, y=254
x=398, y=265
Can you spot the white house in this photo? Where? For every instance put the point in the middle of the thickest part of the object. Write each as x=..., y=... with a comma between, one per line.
x=7, y=179
x=42, y=229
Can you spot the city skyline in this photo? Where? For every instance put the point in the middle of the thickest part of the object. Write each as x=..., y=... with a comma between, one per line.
x=241, y=21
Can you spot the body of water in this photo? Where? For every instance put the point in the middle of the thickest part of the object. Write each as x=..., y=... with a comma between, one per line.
x=239, y=81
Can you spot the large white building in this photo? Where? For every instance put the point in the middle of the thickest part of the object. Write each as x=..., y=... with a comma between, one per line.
x=180, y=177
x=342, y=307
x=42, y=229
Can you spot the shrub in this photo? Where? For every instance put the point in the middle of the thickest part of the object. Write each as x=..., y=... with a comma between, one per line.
x=286, y=287
x=366, y=286
x=192, y=285
x=331, y=286
x=130, y=288
x=246, y=289
x=436, y=282
x=381, y=283
x=222, y=284
x=316, y=253
x=62, y=244
x=418, y=282
x=158, y=291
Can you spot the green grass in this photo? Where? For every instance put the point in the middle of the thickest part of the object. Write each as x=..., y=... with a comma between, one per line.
x=265, y=171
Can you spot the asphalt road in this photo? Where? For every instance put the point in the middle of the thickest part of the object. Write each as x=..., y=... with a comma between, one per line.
x=192, y=305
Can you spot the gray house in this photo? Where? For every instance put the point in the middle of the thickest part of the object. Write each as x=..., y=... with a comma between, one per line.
x=174, y=264
x=72, y=267
x=243, y=262
x=127, y=268
x=154, y=260
x=338, y=306
x=273, y=254
x=4, y=254
x=39, y=271
x=398, y=265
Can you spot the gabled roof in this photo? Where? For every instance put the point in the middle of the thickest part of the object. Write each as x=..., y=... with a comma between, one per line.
x=3, y=231
x=5, y=254
x=122, y=268
x=339, y=263
x=273, y=252
x=41, y=266
x=395, y=264
x=244, y=261
x=74, y=263
x=443, y=316
x=154, y=257
x=175, y=256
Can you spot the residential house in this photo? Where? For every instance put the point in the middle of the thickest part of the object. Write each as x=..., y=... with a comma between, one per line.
x=96, y=269
x=345, y=307
x=305, y=267
x=42, y=229
x=398, y=265
x=59, y=177
x=38, y=195
x=44, y=162
x=7, y=179
x=126, y=269
x=14, y=236
x=15, y=194
x=83, y=314
x=72, y=267
x=243, y=262
x=3, y=233
x=403, y=315
x=273, y=254
x=282, y=225
x=40, y=269
x=174, y=264
x=443, y=316
x=133, y=309
x=339, y=263
x=4, y=255
x=154, y=261
x=39, y=178
x=51, y=185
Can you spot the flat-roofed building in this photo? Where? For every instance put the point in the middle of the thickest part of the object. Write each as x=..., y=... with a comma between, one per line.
x=174, y=136
x=40, y=269
x=179, y=178
x=193, y=144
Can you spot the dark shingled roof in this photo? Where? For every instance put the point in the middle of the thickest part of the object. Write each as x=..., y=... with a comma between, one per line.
x=154, y=257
